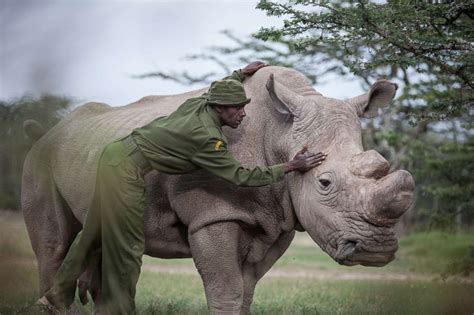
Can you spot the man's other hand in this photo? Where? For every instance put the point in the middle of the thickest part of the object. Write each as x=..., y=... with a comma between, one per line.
x=252, y=68
x=304, y=161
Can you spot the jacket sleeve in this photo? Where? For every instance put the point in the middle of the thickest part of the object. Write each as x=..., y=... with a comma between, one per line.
x=214, y=157
x=236, y=75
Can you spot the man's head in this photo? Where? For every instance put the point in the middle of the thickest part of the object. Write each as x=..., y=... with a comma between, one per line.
x=228, y=99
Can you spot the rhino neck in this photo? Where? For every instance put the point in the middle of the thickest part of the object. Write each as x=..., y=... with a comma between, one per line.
x=276, y=142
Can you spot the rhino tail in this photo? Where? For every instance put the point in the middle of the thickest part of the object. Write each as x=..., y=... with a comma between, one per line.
x=33, y=129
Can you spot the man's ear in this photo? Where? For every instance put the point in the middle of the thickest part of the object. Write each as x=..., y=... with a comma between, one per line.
x=380, y=95
x=217, y=108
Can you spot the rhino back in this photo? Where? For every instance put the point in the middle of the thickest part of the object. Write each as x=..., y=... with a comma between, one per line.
x=73, y=147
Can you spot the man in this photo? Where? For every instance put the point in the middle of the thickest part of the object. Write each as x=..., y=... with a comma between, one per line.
x=188, y=139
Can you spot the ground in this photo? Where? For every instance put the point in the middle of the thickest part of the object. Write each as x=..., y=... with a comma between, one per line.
x=304, y=281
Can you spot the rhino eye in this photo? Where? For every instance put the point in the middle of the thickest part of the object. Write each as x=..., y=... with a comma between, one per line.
x=324, y=182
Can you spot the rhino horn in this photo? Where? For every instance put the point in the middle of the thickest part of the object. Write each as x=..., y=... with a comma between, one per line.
x=393, y=196
x=380, y=95
x=285, y=100
x=369, y=164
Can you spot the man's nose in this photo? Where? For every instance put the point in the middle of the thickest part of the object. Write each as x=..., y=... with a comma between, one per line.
x=243, y=113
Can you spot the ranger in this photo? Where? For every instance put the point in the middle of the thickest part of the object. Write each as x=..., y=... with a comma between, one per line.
x=188, y=139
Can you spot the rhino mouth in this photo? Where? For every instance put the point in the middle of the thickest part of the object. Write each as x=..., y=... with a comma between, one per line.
x=351, y=252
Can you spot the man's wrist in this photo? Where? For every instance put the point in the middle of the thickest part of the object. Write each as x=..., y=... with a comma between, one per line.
x=288, y=167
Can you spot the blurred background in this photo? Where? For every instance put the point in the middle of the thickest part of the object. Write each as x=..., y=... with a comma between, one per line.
x=58, y=54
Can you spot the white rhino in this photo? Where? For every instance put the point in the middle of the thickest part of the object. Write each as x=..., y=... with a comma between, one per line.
x=348, y=205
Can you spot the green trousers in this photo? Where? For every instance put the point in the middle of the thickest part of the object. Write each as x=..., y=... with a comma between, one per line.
x=114, y=223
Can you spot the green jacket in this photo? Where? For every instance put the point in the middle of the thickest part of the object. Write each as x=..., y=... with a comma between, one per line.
x=191, y=138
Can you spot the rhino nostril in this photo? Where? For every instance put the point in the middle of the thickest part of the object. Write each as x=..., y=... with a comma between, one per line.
x=351, y=243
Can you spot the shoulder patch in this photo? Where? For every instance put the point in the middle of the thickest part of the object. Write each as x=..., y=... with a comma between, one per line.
x=218, y=145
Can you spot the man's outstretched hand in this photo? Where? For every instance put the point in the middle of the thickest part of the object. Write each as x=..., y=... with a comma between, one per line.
x=252, y=68
x=304, y=161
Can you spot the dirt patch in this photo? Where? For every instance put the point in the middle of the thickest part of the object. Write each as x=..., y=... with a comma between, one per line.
x=321, y=274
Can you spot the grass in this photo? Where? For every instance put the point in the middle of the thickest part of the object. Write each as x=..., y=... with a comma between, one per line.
x=18, y=274
x=178, y=294
x=424, y=254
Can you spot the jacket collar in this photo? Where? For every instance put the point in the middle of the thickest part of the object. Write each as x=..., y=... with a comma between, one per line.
x=210, y=117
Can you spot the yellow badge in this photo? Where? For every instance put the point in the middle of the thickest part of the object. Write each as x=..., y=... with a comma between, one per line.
x=218, y=145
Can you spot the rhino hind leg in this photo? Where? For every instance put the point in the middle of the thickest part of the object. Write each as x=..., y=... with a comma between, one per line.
x=166, y=236
x=50, y=223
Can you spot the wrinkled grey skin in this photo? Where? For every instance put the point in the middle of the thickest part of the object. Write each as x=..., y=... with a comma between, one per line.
x=348, y=205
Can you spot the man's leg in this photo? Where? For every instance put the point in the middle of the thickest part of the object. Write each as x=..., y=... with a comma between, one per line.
x=123, y=238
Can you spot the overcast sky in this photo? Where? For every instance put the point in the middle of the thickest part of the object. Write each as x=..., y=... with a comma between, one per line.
x=90, y=50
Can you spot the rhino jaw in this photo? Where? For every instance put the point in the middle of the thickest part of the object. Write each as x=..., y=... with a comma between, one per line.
x=351, y=252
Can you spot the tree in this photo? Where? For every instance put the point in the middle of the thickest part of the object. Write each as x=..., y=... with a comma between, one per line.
x=397, y=38
x=14, y=144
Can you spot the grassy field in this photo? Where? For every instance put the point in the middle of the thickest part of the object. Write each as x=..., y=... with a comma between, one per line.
x=304, y=281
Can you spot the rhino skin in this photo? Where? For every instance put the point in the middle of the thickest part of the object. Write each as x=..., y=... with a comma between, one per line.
x=348, y=205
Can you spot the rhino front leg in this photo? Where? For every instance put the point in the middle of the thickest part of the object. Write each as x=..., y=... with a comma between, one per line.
x=215, y=250
x=253, y=272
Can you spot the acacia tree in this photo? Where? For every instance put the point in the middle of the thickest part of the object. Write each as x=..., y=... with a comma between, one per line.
x=425, y=47
x=393, y=39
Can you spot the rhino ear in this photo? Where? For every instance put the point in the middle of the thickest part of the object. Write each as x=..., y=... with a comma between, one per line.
x=380, y=95
x=285, y=101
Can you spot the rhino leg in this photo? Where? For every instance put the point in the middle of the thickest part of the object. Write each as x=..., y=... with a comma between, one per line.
x=253, y=272
x=50, y=223
x=215, y=250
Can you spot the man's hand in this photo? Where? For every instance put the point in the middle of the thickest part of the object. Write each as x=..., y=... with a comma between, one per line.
x=304, y=161
x=252, y=68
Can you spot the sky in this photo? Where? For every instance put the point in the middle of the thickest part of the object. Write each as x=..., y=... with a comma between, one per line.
x=90, y=50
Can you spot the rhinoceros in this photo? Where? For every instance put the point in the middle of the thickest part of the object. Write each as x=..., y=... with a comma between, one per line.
x=348, y=205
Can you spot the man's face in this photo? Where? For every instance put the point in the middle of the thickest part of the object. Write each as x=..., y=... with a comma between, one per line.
x=231, y=116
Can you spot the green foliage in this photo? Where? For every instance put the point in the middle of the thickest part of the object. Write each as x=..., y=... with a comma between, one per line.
x=395, y=38
x=446, y=174
x=14, y=144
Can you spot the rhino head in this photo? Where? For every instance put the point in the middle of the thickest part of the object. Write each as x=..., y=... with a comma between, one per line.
x=349, y=204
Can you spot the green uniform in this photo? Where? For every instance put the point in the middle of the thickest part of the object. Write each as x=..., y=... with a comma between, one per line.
x=189, y=139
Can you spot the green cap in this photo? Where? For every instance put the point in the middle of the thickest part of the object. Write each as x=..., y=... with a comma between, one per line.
x=228, y=93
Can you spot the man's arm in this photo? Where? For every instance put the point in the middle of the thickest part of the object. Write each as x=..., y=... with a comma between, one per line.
x=217, y=159
x=241, y=74
x=214, y=157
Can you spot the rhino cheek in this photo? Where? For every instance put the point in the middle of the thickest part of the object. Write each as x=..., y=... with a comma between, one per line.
x=320, y=228
x=315, y=217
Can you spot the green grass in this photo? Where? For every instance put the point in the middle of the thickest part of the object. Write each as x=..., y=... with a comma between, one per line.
x=424, y=254
x=178, y=294
x=432, y=252
x=18, y=273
